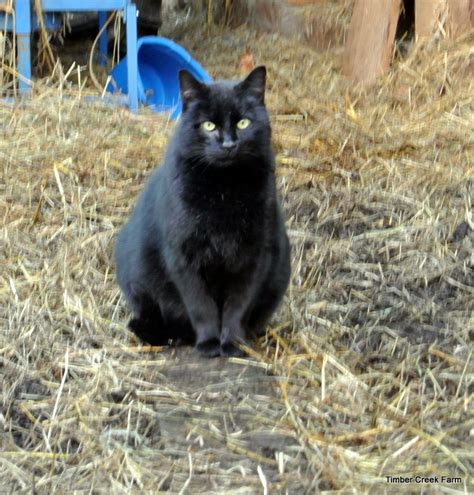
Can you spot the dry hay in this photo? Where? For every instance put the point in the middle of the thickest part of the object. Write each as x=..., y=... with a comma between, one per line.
x=366, y=370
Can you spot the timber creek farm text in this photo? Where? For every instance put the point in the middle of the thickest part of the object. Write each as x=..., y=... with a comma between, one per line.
x=455, y=480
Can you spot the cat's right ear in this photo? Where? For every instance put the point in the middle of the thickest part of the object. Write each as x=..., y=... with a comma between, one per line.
x=190, y=88
x=254, y=83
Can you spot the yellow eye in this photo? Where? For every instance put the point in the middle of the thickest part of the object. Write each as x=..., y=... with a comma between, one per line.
x=208, y=126
x=243, y=124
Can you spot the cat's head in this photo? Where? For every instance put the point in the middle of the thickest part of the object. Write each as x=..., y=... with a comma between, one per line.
x=224, y=123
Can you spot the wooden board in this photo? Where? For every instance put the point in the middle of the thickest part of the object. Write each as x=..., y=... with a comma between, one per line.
x=429, y=13
x=427, y=16
x=370, y=39
x=304, y=2
x=303, y=20
x=460, y=17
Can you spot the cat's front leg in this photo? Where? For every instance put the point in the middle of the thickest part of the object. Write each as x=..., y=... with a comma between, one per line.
x=233, y=334
x=206, y=323
x=202, y=311
x=235, y=307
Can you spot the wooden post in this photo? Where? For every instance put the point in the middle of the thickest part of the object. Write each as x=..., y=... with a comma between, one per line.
x=370, y=39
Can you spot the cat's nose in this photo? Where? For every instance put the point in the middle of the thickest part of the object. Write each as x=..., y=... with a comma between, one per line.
x=228, y=144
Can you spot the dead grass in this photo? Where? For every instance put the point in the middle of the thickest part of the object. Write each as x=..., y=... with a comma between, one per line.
x=367, y=370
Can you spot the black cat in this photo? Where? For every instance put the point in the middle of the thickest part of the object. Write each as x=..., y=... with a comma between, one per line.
x=205, y=258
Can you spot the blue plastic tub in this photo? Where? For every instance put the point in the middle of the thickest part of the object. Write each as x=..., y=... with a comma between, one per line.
x=159, y=62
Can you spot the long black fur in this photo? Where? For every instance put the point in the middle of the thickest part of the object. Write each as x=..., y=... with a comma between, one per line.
x=204, y=258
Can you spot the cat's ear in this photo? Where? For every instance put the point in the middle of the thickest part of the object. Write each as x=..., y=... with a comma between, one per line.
x=190, y=87
x=254, y=83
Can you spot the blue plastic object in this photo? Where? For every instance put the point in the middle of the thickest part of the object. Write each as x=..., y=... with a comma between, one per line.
x=159, y=62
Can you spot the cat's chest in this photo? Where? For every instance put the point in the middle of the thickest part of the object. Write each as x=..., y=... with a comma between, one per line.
x=222, y=237
x=223, y=215
x=222, y=225
x=207, y=250
x=227, y=212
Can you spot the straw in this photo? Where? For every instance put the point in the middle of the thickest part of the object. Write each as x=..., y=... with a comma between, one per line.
x=366, y=370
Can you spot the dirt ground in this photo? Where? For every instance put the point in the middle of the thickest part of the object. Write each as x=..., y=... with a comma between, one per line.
x=365, y=372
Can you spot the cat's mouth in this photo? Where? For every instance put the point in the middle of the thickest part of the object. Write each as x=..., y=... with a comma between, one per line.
x=225, y=159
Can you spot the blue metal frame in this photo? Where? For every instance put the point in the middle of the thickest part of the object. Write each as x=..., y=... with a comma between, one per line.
x=51, y=21
x=132, y=65
x=23, y=28
x=103, y=40
x=83, y=5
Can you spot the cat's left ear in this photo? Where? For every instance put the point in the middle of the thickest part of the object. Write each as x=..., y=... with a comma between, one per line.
x=190, y=88
x=254, y=83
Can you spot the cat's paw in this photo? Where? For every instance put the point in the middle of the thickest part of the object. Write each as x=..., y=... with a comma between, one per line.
x=231, y=350
x=209, y=348
x=146, y=330
x=143, y=329
x=232, y=337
